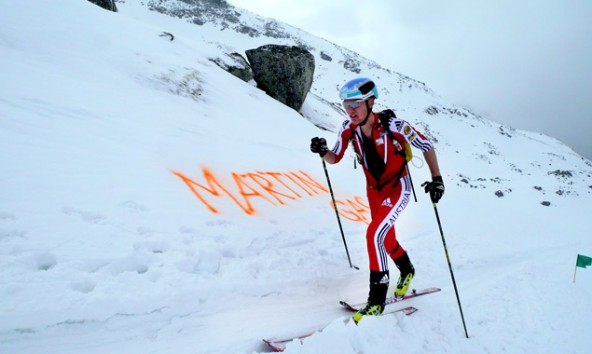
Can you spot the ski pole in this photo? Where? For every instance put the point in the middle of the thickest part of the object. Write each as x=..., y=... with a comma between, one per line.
x=450, y=268
x=337, y=214
x=411, y=181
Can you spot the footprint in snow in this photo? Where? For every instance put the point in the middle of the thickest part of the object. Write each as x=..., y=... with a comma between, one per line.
x=4, y=216
x=10, y=234
x=157, y=247
x=134, y=207
x=45, y=261
x=86, y=216
x=84, y=286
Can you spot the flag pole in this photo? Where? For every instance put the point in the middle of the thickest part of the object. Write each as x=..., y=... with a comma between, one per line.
x=582, y=262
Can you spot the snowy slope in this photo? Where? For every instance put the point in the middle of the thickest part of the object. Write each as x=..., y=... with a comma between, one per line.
x=111, y=136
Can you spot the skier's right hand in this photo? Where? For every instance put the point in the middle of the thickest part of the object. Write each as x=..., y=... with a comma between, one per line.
x=435, y=188
x=319, y=146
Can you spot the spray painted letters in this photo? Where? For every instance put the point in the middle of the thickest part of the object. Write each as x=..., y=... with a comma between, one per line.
x=275, y=188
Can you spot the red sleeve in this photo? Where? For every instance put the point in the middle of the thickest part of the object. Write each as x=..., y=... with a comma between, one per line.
x=412, y=135
x=343, y=138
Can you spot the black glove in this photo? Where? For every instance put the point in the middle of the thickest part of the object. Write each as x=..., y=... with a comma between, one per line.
x=435, y=188
x=319, y=146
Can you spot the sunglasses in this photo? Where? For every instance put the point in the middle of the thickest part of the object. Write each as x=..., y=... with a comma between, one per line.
x=352, y=103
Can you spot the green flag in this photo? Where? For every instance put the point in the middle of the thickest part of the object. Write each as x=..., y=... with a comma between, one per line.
x=583, y=261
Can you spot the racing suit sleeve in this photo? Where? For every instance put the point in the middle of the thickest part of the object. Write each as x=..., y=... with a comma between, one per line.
x=412, y=135
x=343, y=137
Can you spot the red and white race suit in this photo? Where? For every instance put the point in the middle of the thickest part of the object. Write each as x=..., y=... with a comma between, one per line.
x=388, y=186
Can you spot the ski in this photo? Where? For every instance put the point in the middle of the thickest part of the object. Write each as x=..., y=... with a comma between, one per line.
x=391, y=300
x=279, y=345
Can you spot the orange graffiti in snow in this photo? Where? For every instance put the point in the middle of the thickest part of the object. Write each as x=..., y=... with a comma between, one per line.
x=275, y=188
x=355, y=210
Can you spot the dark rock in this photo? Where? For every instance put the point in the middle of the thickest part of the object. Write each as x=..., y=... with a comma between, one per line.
x=283, y=72
x=106, y=4
x=352, y=65
x=561, y=173
x=200, y=12
x=432, y=110
x=326, y=56
x=167, y=34
x=237, y=65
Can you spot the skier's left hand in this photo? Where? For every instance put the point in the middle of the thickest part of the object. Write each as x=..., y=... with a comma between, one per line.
x=435, y=188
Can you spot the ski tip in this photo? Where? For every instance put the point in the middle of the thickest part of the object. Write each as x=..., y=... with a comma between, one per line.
x=347, y=306
x=409, y=310
x=275, y=345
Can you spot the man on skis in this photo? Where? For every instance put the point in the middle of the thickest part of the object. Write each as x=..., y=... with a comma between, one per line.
x=381, y=149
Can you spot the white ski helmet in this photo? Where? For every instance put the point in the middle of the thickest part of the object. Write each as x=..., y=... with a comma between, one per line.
x=358, y=89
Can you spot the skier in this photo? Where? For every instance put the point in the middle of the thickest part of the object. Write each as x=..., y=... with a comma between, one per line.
x=381, y=149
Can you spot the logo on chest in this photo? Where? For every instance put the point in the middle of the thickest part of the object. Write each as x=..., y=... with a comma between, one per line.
x=380, y=140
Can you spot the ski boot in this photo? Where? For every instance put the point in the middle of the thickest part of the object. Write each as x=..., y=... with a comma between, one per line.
x=368, y=310
x=379, y=282
x=407, y=271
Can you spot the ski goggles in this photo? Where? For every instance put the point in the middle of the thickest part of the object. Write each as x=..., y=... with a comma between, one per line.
x=352, y=103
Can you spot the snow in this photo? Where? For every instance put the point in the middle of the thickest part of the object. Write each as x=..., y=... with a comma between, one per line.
x=104, y=248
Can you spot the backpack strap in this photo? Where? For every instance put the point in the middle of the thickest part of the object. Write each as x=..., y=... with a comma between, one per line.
x=358, y=159
x=384, y=118
x=406, y=152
